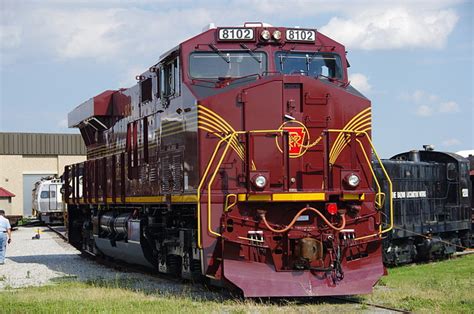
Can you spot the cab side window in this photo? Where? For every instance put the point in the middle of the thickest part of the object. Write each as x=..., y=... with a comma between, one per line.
x=170, y=79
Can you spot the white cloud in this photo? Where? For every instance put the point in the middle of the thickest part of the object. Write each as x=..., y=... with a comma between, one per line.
x=85, y=33
x=451, y=142
x=420, y=96
x=424, y=111
x=107, y=30
x=104, y=34
x=394, y=28
x=360, y=82
x=428, y=104
x=448, y=107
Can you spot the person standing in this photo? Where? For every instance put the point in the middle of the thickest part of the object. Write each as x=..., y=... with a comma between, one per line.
x=5, y=230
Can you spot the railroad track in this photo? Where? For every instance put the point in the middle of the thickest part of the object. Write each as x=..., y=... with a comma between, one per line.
x=59, y=230
x=368, y=304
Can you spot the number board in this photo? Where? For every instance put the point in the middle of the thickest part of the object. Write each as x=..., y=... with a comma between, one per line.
x=306, y=35
x=236, y=34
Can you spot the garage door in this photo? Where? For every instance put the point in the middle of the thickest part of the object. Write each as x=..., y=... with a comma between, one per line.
x=29, y=181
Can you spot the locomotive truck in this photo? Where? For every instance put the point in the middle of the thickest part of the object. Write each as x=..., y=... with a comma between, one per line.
x=243, y=158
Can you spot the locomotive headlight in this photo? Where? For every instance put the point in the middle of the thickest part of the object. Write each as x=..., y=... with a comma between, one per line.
x=276, y=35
x=353, y=180
x=260, y=181
x=265, y=35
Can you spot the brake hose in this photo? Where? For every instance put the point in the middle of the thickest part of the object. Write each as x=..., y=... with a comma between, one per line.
x=343, y=224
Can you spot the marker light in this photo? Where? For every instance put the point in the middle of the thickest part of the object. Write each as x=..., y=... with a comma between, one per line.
x=277, y=35
x=265, y=35
x=260, y=181
x=353, y=180
x=331, y=208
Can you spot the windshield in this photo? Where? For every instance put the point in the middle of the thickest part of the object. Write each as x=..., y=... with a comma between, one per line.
x=309, y=63
x=214, y=65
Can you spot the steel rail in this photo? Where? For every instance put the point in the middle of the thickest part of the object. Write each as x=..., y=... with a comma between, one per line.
x=378, y=306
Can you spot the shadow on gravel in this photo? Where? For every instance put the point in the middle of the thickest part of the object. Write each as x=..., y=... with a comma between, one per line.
x=75, y=268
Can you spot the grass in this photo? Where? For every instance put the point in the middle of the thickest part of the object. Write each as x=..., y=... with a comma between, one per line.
x=438, y=287
x=446, y=286
x=111, y=297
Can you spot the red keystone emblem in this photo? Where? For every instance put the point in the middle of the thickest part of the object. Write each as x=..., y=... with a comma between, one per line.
x=296, y=138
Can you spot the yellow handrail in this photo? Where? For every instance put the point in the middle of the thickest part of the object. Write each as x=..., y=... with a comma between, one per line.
x=227, y=207
x=209, y=196
x=371, y=169
x=202, y=183
x=230, y=138
x=378, y=198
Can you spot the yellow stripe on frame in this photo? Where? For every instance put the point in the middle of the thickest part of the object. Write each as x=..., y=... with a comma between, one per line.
x=282, y=197
x=353, y=197
x=145, y=199
x=191, y=198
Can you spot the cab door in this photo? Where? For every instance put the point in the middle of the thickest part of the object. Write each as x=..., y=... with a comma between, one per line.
x=263, y=110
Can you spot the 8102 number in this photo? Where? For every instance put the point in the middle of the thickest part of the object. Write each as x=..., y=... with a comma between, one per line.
x=300, y=35
x=236, y=34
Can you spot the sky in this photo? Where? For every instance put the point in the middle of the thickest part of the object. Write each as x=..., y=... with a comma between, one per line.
x=412, y=59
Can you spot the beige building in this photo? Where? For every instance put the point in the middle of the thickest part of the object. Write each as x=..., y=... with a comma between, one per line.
x=27, y=157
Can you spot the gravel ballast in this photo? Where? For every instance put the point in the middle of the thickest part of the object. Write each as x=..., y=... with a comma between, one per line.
x=50, y=259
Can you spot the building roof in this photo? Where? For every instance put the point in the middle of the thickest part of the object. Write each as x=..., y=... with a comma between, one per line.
x=5, y=193
x=41, y=144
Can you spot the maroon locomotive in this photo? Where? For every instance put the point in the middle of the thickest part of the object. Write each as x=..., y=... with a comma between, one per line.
x=243, y=158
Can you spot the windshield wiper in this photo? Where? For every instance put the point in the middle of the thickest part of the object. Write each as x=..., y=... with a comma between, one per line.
x=250, y=52
x=313, y=55
x=283, y=58
x=334, y=79
x=219, y=53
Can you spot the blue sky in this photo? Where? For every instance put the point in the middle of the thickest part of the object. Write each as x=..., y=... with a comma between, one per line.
x=413, y=59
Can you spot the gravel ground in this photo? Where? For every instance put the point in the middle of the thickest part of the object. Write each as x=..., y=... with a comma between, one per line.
x=48, y=259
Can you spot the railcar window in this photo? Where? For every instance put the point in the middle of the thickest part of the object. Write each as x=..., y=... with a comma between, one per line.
x=44, y=194
x=146, y=90
x=214, y=65
x=452, y=173
x=309, y=63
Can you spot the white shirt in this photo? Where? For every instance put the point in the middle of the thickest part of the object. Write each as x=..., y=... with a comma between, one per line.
x=4, y=224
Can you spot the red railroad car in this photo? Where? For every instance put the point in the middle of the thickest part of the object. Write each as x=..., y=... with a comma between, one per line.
x=243, y=157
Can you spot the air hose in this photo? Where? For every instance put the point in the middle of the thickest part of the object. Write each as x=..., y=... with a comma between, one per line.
x=343, y=223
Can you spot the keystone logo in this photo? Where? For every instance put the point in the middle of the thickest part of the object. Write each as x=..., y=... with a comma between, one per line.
x=296, y=139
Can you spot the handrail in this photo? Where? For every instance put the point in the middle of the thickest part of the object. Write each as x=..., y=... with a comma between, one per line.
x=378, y=200
x=230, y=138
x=223, y=139
x=227, y=207
x=209, y=196
x=381, y=231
